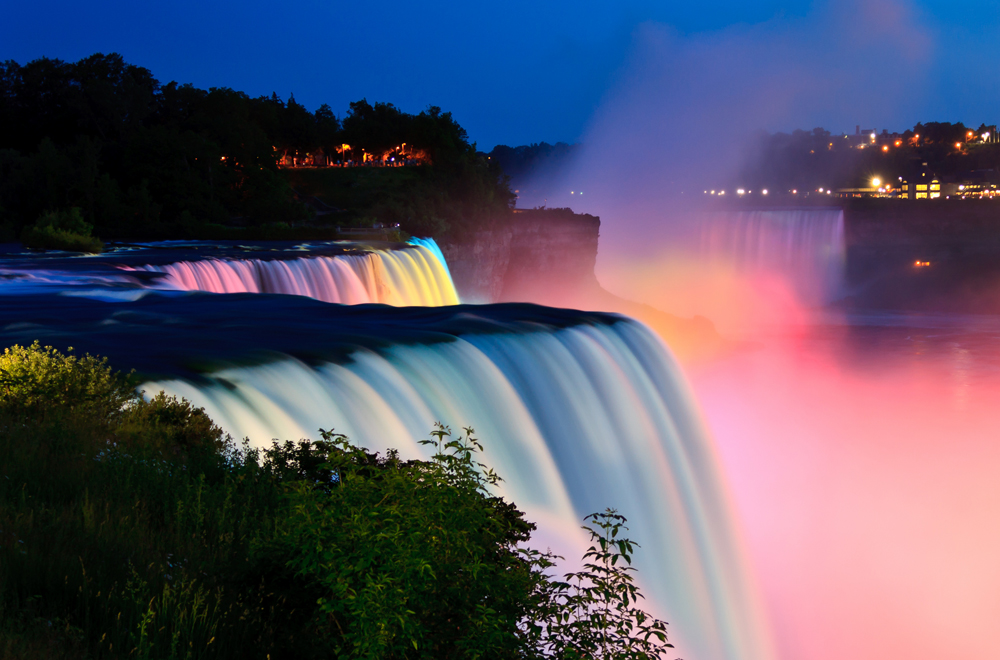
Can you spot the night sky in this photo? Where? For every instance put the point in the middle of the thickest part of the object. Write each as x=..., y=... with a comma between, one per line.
x=521, y=72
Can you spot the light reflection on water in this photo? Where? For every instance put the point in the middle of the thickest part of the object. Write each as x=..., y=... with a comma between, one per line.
x=863, y=457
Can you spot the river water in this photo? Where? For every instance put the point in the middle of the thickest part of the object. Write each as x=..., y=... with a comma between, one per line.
x=863, y=454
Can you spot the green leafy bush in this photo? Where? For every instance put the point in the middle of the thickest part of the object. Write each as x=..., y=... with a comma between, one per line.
x=37, y=382
x=61, y=230
x=134, y=528
x=414, y=559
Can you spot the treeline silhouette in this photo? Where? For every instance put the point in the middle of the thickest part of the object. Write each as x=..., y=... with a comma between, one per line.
x=539, y=158
x=142, y=159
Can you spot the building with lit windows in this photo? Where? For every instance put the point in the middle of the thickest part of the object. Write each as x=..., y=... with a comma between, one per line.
x=920, y=184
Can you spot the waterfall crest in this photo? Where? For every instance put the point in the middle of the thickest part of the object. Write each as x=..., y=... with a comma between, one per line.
x=575, y=419
x=804, y=245
x=414, y=276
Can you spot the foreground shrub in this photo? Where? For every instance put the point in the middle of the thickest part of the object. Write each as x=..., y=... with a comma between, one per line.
x=414, y=559
x=36, y=382
x=61, y=230
x=133, y=528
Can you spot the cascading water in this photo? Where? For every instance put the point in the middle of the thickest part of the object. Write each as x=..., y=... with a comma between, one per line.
x=805, y=246
x=575, y=419
x=412, y=276
x=578, y=411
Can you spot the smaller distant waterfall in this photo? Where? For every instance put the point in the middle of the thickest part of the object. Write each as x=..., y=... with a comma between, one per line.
x=414, y=276
x=804, y=245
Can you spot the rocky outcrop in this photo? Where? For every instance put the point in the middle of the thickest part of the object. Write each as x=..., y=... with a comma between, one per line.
x=479, y=264
x=552, y=247
x=547, y=256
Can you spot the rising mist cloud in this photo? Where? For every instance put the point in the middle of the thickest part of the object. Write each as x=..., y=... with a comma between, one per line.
x=681, y=116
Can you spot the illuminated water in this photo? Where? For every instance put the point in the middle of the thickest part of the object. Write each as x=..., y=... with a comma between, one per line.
x=862, y=453
x=415, y=276
x=803, y=246
x=347, y=273
x=578, y=412
x=860, y=450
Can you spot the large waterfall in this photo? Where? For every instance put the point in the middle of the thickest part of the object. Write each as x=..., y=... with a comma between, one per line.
x=578, y=411
x=575, y=419
x=411, y=276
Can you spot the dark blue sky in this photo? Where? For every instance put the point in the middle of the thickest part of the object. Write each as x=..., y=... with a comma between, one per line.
x=514, y=72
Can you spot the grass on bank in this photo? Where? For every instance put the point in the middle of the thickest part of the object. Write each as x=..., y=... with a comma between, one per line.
x=61, y=230
x=135, y=529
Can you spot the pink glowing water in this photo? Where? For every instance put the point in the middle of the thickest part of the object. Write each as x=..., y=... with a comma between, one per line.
x=864, y=464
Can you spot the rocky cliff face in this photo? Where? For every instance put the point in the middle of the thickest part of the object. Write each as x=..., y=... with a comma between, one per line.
x=551, y=248
x=479, y=264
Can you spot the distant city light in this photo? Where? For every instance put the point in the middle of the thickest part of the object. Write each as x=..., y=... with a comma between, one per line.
x=986, y=136
x=873, y=136
x=961, y=187
x=828, y=192
x=821, y=190
x=764, y=191
x=958, y=145
x=722, y=192
x=795, y=192
x=876, y=182
x=713, y=192
x=740, y=191
x=885, y=148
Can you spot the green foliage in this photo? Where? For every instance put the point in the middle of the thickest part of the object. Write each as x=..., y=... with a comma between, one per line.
x=61, y=230
x=414, y=559
x=170, y=425
x=133, y=528
x=37, y=382
x=594, y=613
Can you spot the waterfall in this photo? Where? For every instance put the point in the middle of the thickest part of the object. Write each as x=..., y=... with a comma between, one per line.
x=414, y=276
x=806, y=246
x=575, y=419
